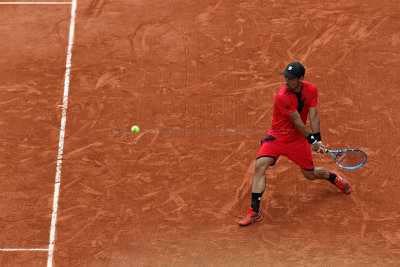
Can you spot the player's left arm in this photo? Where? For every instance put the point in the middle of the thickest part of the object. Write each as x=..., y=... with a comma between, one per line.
x=314, y=119
x=315, y=127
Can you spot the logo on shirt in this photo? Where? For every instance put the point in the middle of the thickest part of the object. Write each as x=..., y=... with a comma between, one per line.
x=290, y=68
x=287, y=107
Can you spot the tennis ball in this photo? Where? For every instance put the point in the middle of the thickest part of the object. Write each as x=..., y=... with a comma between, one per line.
x=135, y=129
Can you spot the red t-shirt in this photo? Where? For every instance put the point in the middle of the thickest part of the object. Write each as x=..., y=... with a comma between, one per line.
x=287, y=102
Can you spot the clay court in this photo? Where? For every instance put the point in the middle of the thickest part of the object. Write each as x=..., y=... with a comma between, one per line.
x=199, y=77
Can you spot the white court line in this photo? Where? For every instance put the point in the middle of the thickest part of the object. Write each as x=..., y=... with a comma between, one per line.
x=35, y=3
x=24, y=249
x=62, y=135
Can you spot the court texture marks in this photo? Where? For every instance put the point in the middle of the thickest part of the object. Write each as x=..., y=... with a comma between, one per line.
x=199, y=78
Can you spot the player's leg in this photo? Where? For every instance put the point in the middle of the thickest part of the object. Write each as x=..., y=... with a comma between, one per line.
x=316, y=173
x=300, y=153
x=259, y=180
x=258, y=186
x=333, y=177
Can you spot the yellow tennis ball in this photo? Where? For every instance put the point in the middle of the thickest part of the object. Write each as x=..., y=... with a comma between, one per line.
x=135, y=129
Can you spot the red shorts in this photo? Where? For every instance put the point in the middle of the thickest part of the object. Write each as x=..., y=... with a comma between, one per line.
x=297, y=151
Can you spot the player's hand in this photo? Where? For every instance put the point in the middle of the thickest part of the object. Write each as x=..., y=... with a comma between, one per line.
x=318, y=147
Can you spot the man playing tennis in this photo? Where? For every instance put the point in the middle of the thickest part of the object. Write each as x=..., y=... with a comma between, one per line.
x=289, y=136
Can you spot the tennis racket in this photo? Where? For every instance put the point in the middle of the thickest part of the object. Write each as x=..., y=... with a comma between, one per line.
x=349, y=159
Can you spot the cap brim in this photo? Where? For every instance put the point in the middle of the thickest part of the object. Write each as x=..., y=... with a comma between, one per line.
x=289, y=75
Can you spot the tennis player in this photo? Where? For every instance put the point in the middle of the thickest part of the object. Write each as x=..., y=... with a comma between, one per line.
x=289, y=136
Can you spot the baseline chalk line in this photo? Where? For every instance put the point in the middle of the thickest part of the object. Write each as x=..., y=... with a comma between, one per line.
x=35, y=3
x=62, y=136
x=24, y=249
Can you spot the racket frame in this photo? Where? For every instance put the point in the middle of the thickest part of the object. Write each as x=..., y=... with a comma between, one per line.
x=338, y=152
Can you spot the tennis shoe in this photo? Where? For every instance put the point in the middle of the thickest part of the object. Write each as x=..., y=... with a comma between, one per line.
x=342, y=183
x=251, y=217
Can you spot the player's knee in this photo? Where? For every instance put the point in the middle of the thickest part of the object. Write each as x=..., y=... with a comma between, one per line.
x=261, y=166
x=310, y=175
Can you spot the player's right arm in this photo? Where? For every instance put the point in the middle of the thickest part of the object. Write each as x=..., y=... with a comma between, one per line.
x=288, y=109
x=295, y=118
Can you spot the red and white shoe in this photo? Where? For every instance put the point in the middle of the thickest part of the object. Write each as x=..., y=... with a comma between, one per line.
x=342, y=183
x=251, y=217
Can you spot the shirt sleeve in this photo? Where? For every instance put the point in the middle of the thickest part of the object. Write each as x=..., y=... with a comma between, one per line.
x=284, y=105
x=314, y=101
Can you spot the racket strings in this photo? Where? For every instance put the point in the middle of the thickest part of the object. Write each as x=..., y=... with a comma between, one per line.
x=350, y=158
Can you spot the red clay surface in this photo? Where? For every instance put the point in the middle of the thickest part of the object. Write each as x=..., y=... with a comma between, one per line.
x=199, y=78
